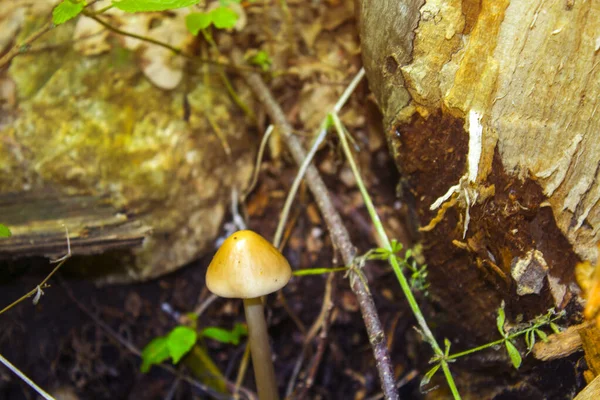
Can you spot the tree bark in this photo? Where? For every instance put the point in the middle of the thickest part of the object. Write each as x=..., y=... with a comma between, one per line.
x=491, y=112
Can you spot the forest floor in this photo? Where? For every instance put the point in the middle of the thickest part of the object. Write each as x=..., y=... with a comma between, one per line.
x=61, y=346
x=80, y=340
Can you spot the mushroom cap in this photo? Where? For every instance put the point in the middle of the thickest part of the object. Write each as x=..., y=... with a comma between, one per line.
x=247, y=266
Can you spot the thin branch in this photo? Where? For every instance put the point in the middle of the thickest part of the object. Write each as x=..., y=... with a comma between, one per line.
x=36, y=291
x=22, y=47
x=338, y=232
x=174, y=49
x=25, y=379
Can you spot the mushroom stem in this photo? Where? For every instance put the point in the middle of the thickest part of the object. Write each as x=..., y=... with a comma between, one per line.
x=264, y=373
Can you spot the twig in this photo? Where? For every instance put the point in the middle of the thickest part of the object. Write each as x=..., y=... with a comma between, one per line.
x=324, y=326
x=174, y=49
x=314, y=367
x=25, y=379
x=259, y=157
x=36, y=291
x=23, y=46
x=242, y=371
x=339, y=234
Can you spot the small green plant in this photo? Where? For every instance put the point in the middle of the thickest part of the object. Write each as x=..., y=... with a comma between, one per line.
x=418, y=277
x=182, y=339
x=223, y=335
x=261, y=59
x=4, y=231
x=174, y=345
x=529, y=330
x=221, y=17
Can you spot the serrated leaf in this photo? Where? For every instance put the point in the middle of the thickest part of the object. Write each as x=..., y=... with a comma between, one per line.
x=224, y=18
x=155, y=352
x=66, y=11
x=152, y=5
x=195, y=22
x=514, y=354
x=500, y=319
x=180, y=341
x=4, y=231
x=427, y=378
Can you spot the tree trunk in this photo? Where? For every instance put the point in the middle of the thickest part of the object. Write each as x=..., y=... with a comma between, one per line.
x=490, y=108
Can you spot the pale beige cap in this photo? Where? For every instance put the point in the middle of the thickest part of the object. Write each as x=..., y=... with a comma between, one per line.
x=247, y=266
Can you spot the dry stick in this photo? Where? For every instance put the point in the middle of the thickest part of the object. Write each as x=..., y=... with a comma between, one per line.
x=314, y=366
x=326, y=309
x=338, y=232
x=25, y=378
x=23, y=47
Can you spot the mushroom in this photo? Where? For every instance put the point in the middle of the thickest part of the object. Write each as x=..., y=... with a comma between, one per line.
x=247, y=266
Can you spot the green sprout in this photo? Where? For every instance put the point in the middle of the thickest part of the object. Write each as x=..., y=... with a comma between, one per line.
x=180, y=341
x=4, y=231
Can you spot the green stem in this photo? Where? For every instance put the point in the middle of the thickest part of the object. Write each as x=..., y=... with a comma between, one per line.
x=475, y=349
x=318, y=271
x=487, y=345
x=450, y=380
x=414, y=306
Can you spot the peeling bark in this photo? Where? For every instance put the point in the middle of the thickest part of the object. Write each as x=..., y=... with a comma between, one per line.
x=519, y=184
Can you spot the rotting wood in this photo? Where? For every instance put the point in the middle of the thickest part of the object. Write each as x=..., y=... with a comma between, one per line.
x=37, y=221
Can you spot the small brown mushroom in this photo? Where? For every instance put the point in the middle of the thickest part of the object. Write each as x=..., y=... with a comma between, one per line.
x=247, y=266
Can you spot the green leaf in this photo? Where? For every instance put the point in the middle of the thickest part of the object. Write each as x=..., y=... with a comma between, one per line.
x=4, y=231
x=225, y=3
x=500, y=319
x=152, y=5
x=155, y=352
x=195, y=22
x=528, y=340
x=427, y=378
x=514, y=354
x=554, y=327
x=225, y=336
x=180, y=341
x=66, y=10
x=224, y=18
x=447, y=345
x=262, y=59
x=542, y=335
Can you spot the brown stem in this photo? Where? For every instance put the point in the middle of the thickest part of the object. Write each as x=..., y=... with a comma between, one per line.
x=22, y=47
x=339, y=235
x=264, y=373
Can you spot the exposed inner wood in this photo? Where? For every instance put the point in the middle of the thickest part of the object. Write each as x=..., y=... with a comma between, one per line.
x=38, y=220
